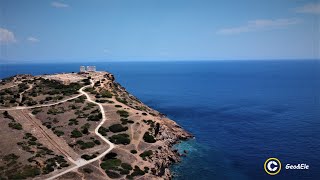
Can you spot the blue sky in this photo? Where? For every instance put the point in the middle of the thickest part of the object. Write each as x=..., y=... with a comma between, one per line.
x=152, y=30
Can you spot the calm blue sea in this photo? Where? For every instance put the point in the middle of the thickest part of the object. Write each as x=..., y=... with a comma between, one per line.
x=241, y=112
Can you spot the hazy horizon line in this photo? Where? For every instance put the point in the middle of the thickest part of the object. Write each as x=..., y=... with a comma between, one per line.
x=147, y=61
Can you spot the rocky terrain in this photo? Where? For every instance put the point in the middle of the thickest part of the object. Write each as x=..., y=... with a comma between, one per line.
x=82, y=126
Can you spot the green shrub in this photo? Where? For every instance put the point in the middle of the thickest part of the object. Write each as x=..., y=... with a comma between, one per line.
x=106, y=94
x=103, y=131
x=125, y=121
x=120, y=139
x=76, y=133
x=87, y=145
x=141, y=108
x=85, y=131
x=112, y=174
x=73, y=122
x=133, y=151
x=124, y=171
x=80, y=99
x=7, y=115
x=36, y=111
x=146, y=154
x=97, y=142
x=26, y=172
x=91, y=90
x=123, y=113
x=15, y=125
x=86, y=81
x=117, y=128
x=148, y=138
x=110, y=163
x=31, y=103
x=110, y=155
x=87, y=170
x=86, y=125
x=88, y=157
x=96, y=117
x=124, y=101
x=104, y=101
x=126, y=166
x=137, y=172
x=10, y=157
x=56, y=111
x=58, y=133
x=72, y=106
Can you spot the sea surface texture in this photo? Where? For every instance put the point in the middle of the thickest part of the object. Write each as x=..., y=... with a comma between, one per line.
x=241, y=112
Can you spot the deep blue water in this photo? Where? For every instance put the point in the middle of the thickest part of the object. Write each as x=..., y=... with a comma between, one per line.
x=241, y=112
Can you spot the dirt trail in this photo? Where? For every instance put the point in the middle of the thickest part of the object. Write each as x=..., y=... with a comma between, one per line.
x=59, y=144
x=111, y=145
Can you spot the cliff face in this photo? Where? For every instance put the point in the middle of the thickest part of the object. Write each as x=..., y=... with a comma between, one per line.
x=170, y=133
x=167, y=132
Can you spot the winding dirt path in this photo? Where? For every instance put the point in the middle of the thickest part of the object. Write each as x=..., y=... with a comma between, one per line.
x=80, y=162
x=21, y=94
x=111, y=145
x=42, y=105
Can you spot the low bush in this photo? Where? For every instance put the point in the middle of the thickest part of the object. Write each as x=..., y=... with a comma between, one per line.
x=7, y=115
x=123, y=113
x=106, y=94
x=146, y=154
x=73, y=122
x=125, y=121
x=103, y=131
x=85, y=145
x=148, y=138
x=76, y=133
x=137, y=172
x=85, y=131
x=117, y=128
x=97, y=142
x=27, y=171
x=10, y=157
x=96, y=117
x=88, y=157
x=110, y=163
x=112, y=174
x=15, y=125
x=124, y=101
x=104, y=101
x=87, y=170
x=126, y=166
x=110, y=155
x=120, y=139
x=133, y=151
x=36, y=111
x=58, y=133
x=124, y=171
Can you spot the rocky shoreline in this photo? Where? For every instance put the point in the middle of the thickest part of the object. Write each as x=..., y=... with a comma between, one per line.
x=170, y=133
x=168, y=155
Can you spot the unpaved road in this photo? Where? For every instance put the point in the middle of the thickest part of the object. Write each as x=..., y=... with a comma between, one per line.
x=80, y=162
x=83, y=162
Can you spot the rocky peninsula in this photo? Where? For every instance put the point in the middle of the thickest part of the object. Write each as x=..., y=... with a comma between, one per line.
x=82, y=126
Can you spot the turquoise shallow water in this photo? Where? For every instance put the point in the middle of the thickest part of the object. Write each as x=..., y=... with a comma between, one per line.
x=241, y=112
